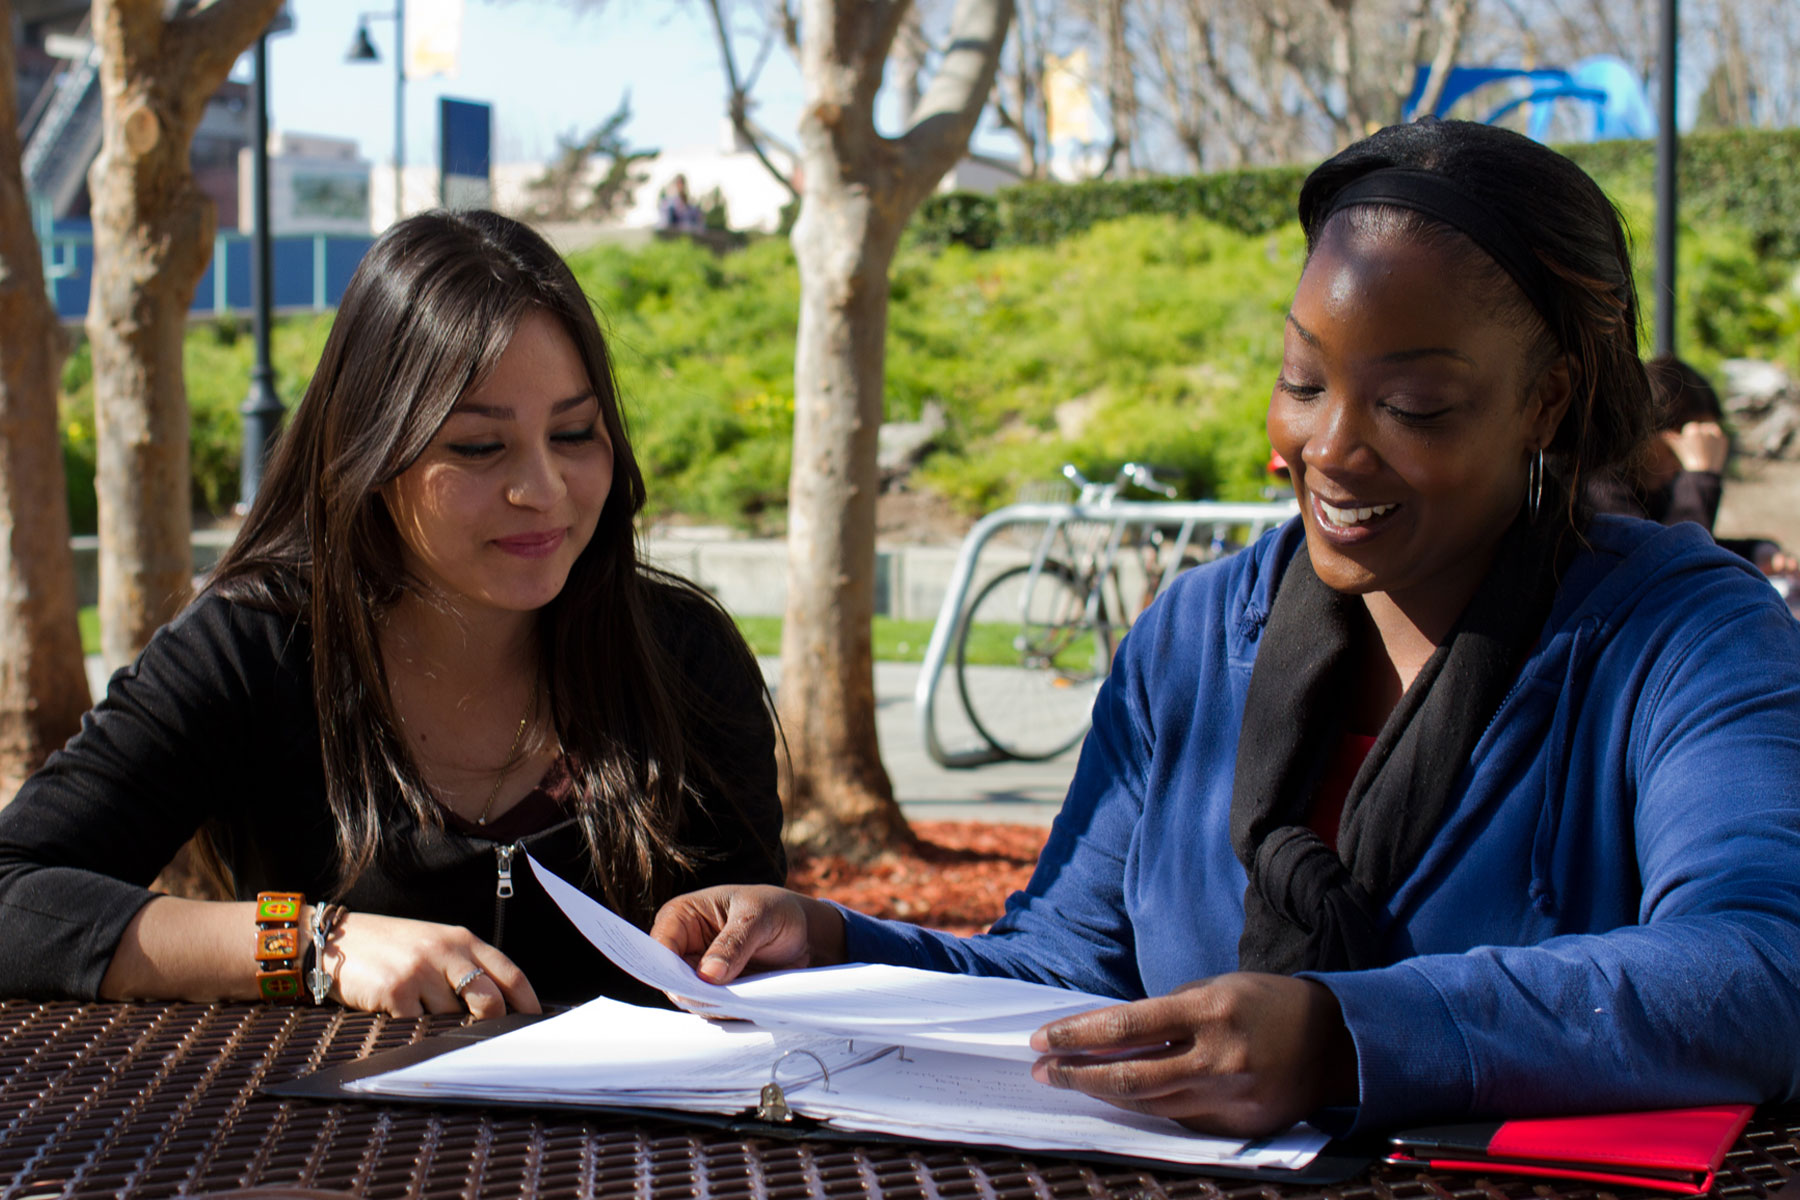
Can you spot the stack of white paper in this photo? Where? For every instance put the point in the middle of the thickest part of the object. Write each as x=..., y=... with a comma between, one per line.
x=610, y=1053
x=917, y=1054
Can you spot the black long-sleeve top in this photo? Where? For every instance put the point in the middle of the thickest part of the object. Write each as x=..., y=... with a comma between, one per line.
x=215, y=726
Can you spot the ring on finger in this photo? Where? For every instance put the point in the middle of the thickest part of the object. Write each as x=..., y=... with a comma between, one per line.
x=471, y=976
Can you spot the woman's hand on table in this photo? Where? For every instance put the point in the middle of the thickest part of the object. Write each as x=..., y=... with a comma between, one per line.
x=406, y=968
x=1241, y=1054
x=723, y=932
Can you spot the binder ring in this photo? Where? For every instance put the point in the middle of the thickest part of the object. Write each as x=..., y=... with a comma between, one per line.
x=824, y=1071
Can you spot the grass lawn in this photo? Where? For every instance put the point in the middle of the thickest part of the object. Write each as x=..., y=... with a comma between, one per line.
x=895, y=641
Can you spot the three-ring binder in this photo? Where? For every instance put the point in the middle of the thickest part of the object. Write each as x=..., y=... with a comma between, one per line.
x=772, y=1106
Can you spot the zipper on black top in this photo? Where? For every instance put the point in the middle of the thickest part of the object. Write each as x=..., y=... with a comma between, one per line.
x=503, y=888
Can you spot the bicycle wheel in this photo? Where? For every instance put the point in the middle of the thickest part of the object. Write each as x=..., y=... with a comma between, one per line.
x=1028, y=662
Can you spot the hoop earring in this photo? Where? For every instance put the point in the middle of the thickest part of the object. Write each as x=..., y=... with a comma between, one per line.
x=1534, y=485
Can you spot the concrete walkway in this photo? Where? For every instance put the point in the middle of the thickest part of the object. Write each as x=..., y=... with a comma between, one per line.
x=1016, y=792
x=1021, y=793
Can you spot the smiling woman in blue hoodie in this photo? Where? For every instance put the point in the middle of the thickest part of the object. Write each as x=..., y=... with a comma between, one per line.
x=1449, y=798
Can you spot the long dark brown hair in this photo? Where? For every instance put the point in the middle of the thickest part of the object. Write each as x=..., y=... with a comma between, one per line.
x=426, y=316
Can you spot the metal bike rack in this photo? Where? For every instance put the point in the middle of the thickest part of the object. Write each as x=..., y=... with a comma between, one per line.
x=1119, y=513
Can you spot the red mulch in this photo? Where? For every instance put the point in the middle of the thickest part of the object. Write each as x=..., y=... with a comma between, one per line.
x=957, y=880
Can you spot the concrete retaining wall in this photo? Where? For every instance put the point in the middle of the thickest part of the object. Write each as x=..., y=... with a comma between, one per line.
x=748, y=575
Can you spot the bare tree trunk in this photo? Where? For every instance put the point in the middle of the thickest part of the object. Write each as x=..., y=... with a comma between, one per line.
x=1454, y=23
x=1351, y=123
x=1121, y=90
x=861, y=188
x=1733, y=71
x=1019, y=101
x=43, y=685
x=838, y=796
x=153, y=231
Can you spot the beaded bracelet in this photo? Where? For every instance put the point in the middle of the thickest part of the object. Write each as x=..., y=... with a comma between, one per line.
x=325, y=918
x=278, y=946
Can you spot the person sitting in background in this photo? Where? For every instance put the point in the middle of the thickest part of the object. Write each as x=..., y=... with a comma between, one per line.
x=1680, y=475
x=431, y=646
x=1447, y=799
x=674, y=211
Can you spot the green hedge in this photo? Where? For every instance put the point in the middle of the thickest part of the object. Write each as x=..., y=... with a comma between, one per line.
x=1037, y=214
x=1750, y=176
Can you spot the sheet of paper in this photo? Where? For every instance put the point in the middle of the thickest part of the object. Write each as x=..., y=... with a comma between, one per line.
x=903, y=1006
x=932, y=1094
x=623, y=1054
x=630, y=948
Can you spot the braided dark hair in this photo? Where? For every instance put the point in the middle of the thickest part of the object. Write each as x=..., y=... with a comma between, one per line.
x=1573, y=230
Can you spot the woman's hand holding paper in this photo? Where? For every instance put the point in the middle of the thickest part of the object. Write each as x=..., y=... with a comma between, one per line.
x=1242, y=1054
x=724, y=931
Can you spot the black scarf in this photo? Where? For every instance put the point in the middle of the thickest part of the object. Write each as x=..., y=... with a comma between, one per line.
x=1308, y=906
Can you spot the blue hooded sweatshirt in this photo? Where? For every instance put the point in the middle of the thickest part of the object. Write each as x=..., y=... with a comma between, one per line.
x=1609, y=915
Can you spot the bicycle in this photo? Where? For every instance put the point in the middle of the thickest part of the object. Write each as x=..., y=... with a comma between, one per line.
x=1059, y=619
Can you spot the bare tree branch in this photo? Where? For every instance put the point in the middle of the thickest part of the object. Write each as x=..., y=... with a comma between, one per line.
x=783, y=18
x=959, y=88
x=1454, y=23
x=737, y=101
x=210, y=38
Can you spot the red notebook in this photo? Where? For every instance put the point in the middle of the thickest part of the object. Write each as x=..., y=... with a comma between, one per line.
x=1676, y=1150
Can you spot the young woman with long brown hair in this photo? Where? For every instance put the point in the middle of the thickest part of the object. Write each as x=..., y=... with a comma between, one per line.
x=431, y=650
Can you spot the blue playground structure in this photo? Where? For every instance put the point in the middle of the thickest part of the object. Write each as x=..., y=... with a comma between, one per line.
x=1604, y=86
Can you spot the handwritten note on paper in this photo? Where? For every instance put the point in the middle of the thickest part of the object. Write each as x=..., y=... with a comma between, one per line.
x=971, y=1014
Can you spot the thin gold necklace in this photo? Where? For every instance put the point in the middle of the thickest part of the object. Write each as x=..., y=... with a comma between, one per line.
x=511, y=756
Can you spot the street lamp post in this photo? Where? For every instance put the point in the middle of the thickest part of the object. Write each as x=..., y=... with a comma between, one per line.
x=1668, y=150
x=363, y=50
x=262, y=410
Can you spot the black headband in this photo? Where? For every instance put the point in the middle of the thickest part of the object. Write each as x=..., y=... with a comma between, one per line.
x=1441, y=199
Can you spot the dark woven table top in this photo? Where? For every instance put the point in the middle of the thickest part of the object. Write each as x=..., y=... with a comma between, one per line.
x=163, y=1100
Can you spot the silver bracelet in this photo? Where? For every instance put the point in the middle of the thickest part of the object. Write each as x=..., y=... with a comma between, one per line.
x=325, y=918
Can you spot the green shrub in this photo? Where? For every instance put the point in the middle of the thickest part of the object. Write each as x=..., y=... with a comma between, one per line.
x=703, y=347
x=1750, y=177
x=969, y=219
x=1732, y=301
x=1037, y=214
x=217, y=360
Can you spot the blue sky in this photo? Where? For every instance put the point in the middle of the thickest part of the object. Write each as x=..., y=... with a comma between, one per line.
x=548, y=68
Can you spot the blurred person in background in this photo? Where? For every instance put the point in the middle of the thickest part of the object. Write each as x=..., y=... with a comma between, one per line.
x=1680, y=473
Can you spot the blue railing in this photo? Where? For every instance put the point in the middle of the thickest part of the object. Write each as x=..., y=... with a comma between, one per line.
x=310, y=272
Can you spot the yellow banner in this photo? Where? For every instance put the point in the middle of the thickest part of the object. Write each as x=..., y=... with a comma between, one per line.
x=433, y=37
x=1067, y=98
